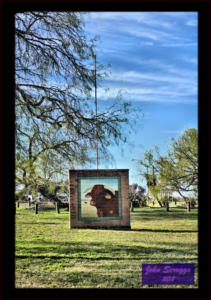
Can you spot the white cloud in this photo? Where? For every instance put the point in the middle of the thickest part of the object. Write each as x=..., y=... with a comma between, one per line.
x=136, y=77
x=157, y=78
x=145, y=43
x=152, y=25
x=192, y=22
x=190, y=59
x=168, y=94
x=144, y=33
x=179, y=44
x=172, y=86
x=147, y=18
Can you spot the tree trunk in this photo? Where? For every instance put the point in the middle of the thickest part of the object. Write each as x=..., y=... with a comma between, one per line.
x=186, y=201
x=36, y=208
x=167, y=206
x=18, y=204
x=160, y=203
x=188, y=206
x=131, y=206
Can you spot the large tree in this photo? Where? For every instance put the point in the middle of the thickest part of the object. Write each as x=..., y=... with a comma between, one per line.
x=179, y=169
x=175, y=172
x=54, y=74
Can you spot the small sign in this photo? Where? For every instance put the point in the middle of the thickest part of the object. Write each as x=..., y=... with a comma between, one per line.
x=168, y=274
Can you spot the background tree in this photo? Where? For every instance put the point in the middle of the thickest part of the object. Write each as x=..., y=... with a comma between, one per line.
x=136, y=196
x=180, y=168
x=132, y=195
x=149, y=170
x=54, y=75
x=176, y=172
x=140, y=195
x=49, y=191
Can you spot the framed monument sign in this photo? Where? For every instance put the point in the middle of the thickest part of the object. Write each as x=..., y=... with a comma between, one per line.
x=99, y=199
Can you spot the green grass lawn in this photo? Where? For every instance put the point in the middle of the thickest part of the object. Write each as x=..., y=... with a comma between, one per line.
x=50, y=255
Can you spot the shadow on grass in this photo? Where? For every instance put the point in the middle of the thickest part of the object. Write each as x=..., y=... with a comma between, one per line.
x=143, y=258
x=73, y=257
x=162, y=215
x=164, y=230
x=41, y=223
x=100, y=250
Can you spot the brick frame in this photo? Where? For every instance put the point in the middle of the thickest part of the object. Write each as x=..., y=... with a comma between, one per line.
x=122, y=222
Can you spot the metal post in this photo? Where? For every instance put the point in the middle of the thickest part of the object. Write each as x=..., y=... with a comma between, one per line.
x=96, y=113
x=167, y=202
x=36, y=208
x=57, y=208
x=188, y=206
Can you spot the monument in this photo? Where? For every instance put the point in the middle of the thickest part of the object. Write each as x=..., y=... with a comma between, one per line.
x=99, y=199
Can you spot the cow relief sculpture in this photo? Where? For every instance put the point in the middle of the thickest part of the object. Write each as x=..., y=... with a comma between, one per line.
x=105, y=201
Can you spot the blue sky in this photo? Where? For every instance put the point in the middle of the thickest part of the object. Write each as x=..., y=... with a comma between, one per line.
x=154, y=62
